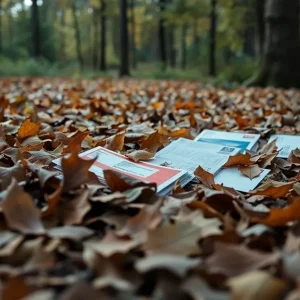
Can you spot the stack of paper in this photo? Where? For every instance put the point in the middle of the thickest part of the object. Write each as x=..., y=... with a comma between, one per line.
x=286, y=144
x=187, y=155
x=243, y=141
x=164, y=177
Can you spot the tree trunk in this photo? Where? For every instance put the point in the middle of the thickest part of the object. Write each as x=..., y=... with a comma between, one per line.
x=62, y=36
x=103, y=36
x=115, y=31
x=133, y=47
x=35, y=27
x=77, y=36
x=183, y=46
x=96, y=39
x=10, y=26
x=172, y=49
x=280, y=62
x=124, y=43
x=259, y=26
x=162, y=35
x=212, y=33
x=1, y=9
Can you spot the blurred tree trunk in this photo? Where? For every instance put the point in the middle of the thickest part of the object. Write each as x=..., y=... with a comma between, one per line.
x=172, y=49
x=96, y=39
x=196, y=38
x=280, y=62
x=103, y=36
x=124, y=41
x=62, y=36
x=1, y=9
x=212, y=34
x=259, y=26
x=77, y=36
x=115, y=31
x=133, y=47
x=35, y=29
x=162, y=34
x=249, y=33
x=183, y=46
x=10, y=25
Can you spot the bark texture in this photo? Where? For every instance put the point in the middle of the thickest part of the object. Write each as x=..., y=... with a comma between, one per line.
x=35, y=27
x=280, y=64
x=103, y=36
x=124, y=41
x=162, y=34
x=212, y=34
x=77, y=37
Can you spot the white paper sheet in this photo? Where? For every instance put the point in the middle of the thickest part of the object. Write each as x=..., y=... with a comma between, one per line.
x=233, y=178
x=286, y=144
x=244, y=141
x=187, y=155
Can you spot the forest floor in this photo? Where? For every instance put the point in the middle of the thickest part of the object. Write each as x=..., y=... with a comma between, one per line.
x=77, y=239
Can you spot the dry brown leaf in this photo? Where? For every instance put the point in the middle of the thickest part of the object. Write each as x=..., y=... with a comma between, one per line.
x=269, y=148
x=274, y=189
x=205, y=177
x=240, y=160
x=258, y=285
x=119, y=182
x=75, y=144
x=178, y=265
x=295, y=156
x=28, y=129
x=234, y=260
x=116, y=142
x=20, y=212
x=154, y=141
x=281, y=216
x=112, y=244
x=267, y=159
x=74, y=210
x=251, y=171
x=17, y=172
x=141, y=155
x=76, y=171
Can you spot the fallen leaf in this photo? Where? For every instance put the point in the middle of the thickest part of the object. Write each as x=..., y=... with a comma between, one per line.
x=258, y=285
x=281, y=216
x=76, y=171
x=182, y=237
x=205, y=177
x=116, y=142
x=234, y=260
x=112, y=244
x=140, y=155
x=239, y=160
x=251, y=171
x=16, y=172
x=269, y=148
x=19, y=211
x=273, y=189
x=75, y=144
x=119, y=182
x=294, y=156
x=154, y=142
x=176, y=264
x=75, y=233
x=28, y=129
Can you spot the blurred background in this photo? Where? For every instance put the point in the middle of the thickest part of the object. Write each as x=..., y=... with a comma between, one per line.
x=160, y=39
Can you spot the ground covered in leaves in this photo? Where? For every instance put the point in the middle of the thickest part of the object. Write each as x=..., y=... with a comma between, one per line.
x=77, y=239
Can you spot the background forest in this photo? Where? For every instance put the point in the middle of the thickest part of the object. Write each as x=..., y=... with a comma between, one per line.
x=186, y=39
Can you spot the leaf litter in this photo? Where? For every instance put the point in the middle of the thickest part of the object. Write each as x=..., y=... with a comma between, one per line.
x=74, y=238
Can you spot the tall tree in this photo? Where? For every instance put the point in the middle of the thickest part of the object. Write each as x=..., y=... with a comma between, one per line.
x=280, y=64
x=172, y=49
x=103, y=36
x=133, y=33
x=1, y=9
x=162, y=34
x=35, y=29
x=77, y=35
x=95, y=37
x=183, y=45
x=212, y=34
x=259, y=25
x=124, y=41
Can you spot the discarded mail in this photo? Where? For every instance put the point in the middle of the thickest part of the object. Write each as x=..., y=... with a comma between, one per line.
x=286, y=144
x=178, y=161
x=164, y=177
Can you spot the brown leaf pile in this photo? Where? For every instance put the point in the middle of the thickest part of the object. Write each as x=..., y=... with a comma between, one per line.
x=71, y=237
